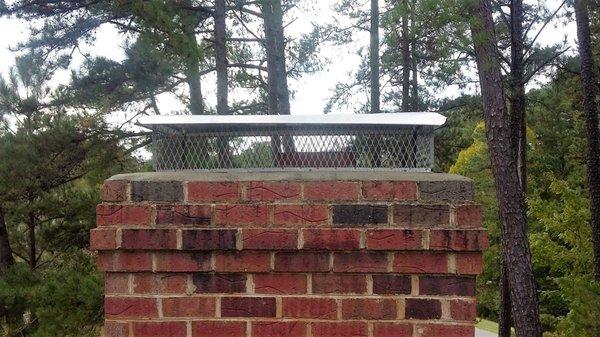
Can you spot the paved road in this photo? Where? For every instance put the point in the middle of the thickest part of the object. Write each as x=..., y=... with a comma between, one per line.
x=483, y=333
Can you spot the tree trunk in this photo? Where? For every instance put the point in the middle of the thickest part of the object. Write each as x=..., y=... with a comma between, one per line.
x=32, y=240
x=414, y=94
x=511, y=199
x=406, y=64
x=517, y=88
x=504, y=317
x=222, y=76
x=191, y=63
x=6, y=257
x=374, y=57
x=590, y=91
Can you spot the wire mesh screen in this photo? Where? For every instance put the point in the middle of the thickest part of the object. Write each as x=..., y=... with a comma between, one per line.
x=404, y=148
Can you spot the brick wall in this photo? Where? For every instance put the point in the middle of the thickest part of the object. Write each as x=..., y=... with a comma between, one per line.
x=347, y=258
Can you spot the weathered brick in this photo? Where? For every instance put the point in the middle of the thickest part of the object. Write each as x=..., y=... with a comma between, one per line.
x=269, y=238
x=159, y=329
x=462, y=310
x=154, y=239
x=156, y=191
x=339, y=284
x=318, y=308
x=244, y=261
x=272, y=191
x=331, y=190
x=469, y=263
x=331, y=239
x=447, y=285
x=394, y=239
x=219, y=283
x=422, y=215
x=114, y=191
x=116, y=283
x=360, y=214
x=248, y=307
x=418, y=308
x=301, y=262
x=159, y=283
x=373, y=309
x=239, y=214
x=116, y=329
x=103, y=239
x=209, y=239
x=420, y=262
x=285, y=284
x=428, y=330
x=360, y=262
x=469, y=216
x=199, y=215
x=188, y=307
x=130, y=307
x=213, y=191
x=124, y=261
x=386, y=284
x=392, y=330
x=458, y=240
x=452, y=191
x=108, y=215
x=182, y=262
x=218, y=329
x=331, y=329
x=279, y=329
x=389, y=190
x=300, y=214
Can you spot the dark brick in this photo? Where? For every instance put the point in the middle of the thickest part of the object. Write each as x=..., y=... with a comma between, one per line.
x=219, y=283
x=156, y=191
x=422, y=215
x=339, y=284
x=149, y=239
x=423, y=309
x=359, y=214
x=447, y=285
x=301, y=262
x=248, y=307
x=184, y=215
x=446, y=191
x=391, y=284
x=209, y=239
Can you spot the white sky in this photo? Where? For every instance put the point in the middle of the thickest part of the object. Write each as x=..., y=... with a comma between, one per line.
x=311, y=91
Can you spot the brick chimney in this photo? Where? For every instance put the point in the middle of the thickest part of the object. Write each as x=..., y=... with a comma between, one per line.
x=339, y=253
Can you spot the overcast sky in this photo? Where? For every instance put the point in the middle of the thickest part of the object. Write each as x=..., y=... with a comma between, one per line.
x=311, y=91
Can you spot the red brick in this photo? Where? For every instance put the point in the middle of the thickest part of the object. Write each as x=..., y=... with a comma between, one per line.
x=116, y=283
x=374, y=309
x=342, y=329
x=219, y=283
x=269, y=238
x=418, y=308
x=285, y=284
x=116, y=329
x=469, y=263
x=245, y=261
x=428, y=330
x=331, y=239
x=159, y=329
x=469, y=216
x=198, y=215
x=124, y=261
x=420, y=262
x=394, y=239
x=272, y=191
x=279, y=329
x=130, y=307
x=154, y=239
x=248, y=307
x=300, y=214
x=459, y=240
x=331, y=190
x=213, y=191
x=159, y=284
x=218, y=329
x=360, y=262
x=461, y=310
x=318, y=308
x=389, y=190
x=209, y=239
x=392, y=330
x=233, y=214
x=390, y=284
x=182, y=262
x=301, y=262
x=103, y=239
x=422, y=215
x=188, y=307
x=339, y=284
x=107, y=214
x=447, y=285
x=114, y=190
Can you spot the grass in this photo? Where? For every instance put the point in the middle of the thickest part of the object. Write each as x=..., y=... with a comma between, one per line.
x=486, y=325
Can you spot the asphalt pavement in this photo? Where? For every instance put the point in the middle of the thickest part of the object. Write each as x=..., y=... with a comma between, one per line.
x=483, y=333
